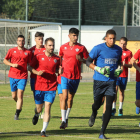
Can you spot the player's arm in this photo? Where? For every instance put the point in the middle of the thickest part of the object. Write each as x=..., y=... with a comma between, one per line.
x=119, y=70
x=133, y=62
x=31, y=69
x=105, y=70
x=78, y=57
x=6, y=62
x=129, y=65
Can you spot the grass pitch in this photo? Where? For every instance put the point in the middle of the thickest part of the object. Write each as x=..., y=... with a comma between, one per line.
x=119, y=128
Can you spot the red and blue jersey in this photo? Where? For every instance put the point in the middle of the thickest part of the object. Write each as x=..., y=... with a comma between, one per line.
x=20, y=57
x=71, y=66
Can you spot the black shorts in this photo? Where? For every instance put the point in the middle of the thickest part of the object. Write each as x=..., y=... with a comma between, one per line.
x=103, y=88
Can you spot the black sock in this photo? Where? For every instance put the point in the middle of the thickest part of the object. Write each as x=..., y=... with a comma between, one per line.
x=107, y=114
x=18, y=111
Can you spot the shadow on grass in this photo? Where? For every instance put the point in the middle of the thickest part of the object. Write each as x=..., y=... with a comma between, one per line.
x=71, y=117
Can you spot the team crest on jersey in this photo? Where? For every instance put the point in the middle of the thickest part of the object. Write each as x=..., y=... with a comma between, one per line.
x=32, y=51
x=77, y=50
x=25, y=53
x=14, y=51
x=42, y=58
x=55, y=60
x=65, y=48
x=124, y=54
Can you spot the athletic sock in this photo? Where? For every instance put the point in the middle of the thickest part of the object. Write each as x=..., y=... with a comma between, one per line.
x=63, y=114
x=114, y=105
x=107, y=115
x=36, y=113
x=18, y=111
x=45, y=124
x=67, y=113
x=120, y=105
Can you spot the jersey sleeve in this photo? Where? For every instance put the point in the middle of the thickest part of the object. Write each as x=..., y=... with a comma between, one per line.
x=8, y=55
x=34, y=62
x=85, y=53
x=61, y=51
x=130, y=56
x=94, y=52
x=136, y=55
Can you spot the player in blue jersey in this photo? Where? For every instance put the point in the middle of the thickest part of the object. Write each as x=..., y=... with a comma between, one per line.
x=107, y=67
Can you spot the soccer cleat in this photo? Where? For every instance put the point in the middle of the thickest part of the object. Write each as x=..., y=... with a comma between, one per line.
x=42, y=134
x=102, y=136
x=35, y=119
x=120, y=112
x=66, y=122
x=91, y=120
x=16, y=117
x=137, y=110
x=63, y=125
x=113, y=112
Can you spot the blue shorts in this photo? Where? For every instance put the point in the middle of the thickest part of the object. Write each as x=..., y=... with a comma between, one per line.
x=121, y=82
x=47, y=96
x=32, y=84
x=59, y=88
x=17, y=84
x=71, y=84
x=102, y=88
x=137, y=90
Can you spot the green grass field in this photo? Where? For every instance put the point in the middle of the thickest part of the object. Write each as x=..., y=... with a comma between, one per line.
x=119, y=128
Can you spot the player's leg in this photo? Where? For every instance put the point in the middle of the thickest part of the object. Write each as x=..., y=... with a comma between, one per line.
x=107, y=115
x=64, y=85
x=73, y=86
x=118, y=82
x=49, y=99
x=104, y=106
x=39, y=101
x=98, y=95
x=110, y=95
x=121, y=95
x=21, y=84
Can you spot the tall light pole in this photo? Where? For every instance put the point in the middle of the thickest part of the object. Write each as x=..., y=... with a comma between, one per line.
x=79, y=21
x=26, y=28
x=126, y=7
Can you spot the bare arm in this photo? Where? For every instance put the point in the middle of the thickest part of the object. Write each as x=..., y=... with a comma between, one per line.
x=133, y=62
x=129, y=65
x=6, y=62
x=78, y=57
x=35, y=71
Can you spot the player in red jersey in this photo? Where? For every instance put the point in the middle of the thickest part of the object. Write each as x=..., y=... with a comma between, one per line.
x=135, y=58
x=35, y=50
x=72, y=54
x=122, y=79
x=19, y=58
x=44, y=66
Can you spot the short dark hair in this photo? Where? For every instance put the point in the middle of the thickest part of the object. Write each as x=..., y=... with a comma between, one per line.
x=49, y=39
x=124, y=39
x=21, y=36
x=74, y=31
x=110, y=32
x=39, y=34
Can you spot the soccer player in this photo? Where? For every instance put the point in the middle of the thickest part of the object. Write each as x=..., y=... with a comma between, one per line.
x=35, y=50
x=107, y=57
x=136, y=65
x=19, y=58
x=122, y=79
x=44, y=66
x=72, y=54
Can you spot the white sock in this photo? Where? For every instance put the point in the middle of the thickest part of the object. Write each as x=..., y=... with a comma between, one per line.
x=67, y=114
x=63, y=114
x=114, y=105
x=45, y=124
x=121, y=104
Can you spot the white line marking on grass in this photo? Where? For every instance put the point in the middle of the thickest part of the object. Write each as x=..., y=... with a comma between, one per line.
x=26, y=134
x=129, y=89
